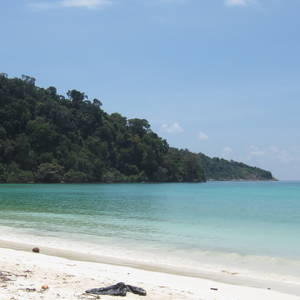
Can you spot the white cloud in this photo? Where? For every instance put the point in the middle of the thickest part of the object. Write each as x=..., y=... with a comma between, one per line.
x=238, y=2
x=273, y=153
x=227, y=152
x=90, y=4
x=255, y=151
x=227, y=149
x=274, y=149
x=202, y=136
x=282, y=154
x=84, y=3
x=172, y=128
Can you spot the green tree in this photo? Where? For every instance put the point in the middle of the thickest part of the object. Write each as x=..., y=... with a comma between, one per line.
x=48, y=137
x=3, y=175
x=75, y=177
x=50, y=173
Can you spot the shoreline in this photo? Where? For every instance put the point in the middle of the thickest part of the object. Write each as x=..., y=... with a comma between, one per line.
x=68, y=279
x=227, y=279
x=147, y=182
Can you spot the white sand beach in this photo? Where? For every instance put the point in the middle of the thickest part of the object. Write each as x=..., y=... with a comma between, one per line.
x=23, y=274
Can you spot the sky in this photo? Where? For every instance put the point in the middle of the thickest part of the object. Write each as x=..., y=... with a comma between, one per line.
x=221, y=77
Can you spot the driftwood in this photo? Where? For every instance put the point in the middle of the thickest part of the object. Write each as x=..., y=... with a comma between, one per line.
x=119, y=289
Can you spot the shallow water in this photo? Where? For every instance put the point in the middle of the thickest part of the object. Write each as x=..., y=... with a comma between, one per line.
x=249, y=225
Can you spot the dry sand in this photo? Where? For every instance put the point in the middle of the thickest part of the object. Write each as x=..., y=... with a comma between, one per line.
x=24, y=273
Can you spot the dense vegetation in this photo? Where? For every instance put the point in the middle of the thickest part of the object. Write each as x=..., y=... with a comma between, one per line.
x=46, y=137
x=221, y=169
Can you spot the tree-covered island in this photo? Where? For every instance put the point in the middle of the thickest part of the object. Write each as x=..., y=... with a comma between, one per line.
x=46, y=137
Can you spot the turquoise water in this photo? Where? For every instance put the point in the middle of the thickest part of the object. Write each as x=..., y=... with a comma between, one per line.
x=259, y=219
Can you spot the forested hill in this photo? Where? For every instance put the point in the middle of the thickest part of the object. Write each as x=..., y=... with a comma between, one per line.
x=46, y=137
x=221, y=169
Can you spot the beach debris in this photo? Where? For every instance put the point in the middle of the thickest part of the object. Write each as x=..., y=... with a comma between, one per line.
x=30, y=290
x=214, y=289
x=230, y=273
x=36, y=250
x=44, y=287
x=119, y=289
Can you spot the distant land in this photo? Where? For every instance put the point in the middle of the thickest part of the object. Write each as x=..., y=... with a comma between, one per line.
x=50, y=138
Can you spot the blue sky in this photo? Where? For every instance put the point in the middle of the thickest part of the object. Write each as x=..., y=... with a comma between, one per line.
x=214, y=76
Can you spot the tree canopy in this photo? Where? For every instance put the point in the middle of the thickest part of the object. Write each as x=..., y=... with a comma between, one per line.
x=46, y=137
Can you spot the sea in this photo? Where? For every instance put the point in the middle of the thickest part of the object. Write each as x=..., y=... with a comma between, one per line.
x=213, y=229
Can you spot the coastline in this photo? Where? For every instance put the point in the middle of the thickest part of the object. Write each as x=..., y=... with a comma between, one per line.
x=51, y=265
x=144, y=182
x=243, y=180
